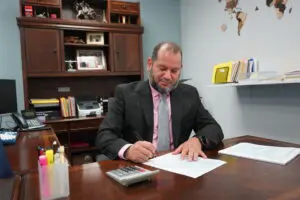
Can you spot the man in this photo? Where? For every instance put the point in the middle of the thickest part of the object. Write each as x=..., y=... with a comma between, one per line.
x=159, y=114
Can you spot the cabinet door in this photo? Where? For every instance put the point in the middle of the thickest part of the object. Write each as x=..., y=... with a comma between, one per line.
x=127, y=52
x=42, y=50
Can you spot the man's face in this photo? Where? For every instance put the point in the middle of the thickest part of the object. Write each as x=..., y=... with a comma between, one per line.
x=166, y=69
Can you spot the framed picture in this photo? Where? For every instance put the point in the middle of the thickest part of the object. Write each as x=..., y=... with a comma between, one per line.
x=91, y=60
x=95, y=38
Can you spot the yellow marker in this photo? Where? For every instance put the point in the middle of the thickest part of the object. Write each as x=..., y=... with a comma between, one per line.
x=49, y=155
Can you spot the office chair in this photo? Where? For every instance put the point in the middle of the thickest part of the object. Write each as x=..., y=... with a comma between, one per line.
x=102, y=157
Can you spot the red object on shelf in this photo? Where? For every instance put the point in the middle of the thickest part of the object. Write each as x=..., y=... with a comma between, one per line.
x=79, y=144
x=28, y=11
x=53, y=16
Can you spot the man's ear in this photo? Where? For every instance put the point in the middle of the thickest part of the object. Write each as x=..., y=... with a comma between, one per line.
x=149, y=63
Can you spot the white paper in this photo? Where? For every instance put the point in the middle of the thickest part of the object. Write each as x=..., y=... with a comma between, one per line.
x=194, y=169
x=272, y=154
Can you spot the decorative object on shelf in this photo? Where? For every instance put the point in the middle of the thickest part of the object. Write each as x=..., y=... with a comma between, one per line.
x=222, y=73
x=73, y=39
x=70, y=67
x=53, y=16
x=42, y=15
x=95, y=38
x=84, y=10
x=28, y=11
x=101, y=16
x=123, y=19
x=91, y=60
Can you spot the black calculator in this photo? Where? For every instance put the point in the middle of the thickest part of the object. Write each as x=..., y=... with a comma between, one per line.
x=131, y=174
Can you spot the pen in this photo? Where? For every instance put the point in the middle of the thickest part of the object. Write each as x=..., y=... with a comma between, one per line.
x=139, y=138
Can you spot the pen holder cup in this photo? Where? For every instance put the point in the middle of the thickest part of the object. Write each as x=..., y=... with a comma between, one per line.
x=54, y=181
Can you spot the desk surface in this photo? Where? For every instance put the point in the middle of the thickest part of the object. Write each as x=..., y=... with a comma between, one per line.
x=238, y=179
x=23, y=155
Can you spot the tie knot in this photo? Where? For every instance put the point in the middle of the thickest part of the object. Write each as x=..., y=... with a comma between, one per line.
x=163, y=97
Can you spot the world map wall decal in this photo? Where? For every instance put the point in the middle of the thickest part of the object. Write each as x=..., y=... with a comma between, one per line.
x=237, y=13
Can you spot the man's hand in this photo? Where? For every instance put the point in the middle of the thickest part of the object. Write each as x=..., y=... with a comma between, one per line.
x=191, y=148
x=140, y=151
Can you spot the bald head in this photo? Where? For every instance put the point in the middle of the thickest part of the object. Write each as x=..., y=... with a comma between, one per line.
x=170, y=47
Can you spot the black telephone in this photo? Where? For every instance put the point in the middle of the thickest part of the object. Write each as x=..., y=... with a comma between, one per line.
x=27, y=120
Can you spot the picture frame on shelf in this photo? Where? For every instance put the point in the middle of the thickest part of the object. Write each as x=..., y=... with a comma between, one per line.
x=95, y=38
x=90, y=59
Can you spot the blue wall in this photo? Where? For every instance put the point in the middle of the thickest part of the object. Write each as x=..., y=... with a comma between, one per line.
x=160, y=18
x=10, y=52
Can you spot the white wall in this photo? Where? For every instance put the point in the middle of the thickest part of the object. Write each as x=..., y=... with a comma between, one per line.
x=267, y=111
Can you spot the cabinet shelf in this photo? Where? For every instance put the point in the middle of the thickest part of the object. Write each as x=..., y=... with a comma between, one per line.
x=85, y=45
x=76, y=24
x=82, y=74
x=41, y=4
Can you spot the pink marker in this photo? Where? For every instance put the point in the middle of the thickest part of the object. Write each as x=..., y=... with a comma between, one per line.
x=44, y=185
x=43, y=160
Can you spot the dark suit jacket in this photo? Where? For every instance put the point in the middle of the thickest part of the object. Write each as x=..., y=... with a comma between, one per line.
x=132, y=111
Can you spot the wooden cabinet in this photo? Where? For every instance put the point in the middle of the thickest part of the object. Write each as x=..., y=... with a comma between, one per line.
x=50, y=55
x=124, y=7
x=42, y=50
x=127, y=52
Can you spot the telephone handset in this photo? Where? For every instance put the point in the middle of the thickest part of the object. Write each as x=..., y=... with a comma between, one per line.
x=20, y=121
x=27, y=120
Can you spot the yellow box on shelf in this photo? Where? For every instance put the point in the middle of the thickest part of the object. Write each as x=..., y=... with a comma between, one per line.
x=44, y=101
x=222, y=73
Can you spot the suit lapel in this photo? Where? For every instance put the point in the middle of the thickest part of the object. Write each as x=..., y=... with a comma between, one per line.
x=146, y=103
x=176, y=113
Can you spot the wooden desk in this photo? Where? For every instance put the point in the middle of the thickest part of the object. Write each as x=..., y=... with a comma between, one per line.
x=23, y=155
x=238, y=179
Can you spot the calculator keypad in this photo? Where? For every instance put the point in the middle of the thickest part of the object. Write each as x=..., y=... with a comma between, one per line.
x=125, y=171
x=131, y=174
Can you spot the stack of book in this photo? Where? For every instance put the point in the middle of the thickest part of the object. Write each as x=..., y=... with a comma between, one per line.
x=67, y=106
x=234, y=71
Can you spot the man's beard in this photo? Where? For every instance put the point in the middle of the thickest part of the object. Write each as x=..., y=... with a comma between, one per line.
x=157, y=87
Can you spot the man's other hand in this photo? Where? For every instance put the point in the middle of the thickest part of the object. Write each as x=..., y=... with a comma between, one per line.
x=191, y=148
x=140, y=151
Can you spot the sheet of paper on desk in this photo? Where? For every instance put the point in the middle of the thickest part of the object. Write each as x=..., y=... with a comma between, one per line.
x=194, y=169
x=272, y=154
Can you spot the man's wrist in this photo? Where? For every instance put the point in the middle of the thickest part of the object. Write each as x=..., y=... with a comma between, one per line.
x=123, y=150
x=126, y=152
x=202, y=139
